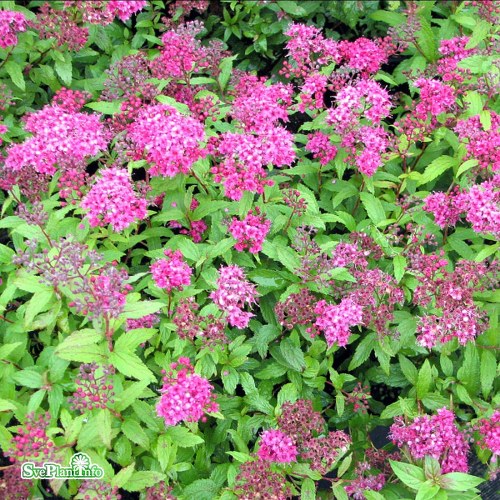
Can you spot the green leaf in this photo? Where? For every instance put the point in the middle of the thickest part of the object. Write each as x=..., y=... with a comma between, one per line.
x=15, y=72
x=28, y=378
x=37, y=304
x=363, y=351
x=141, y=480
x=400, y=265
x=308, y=490
x=469, y=373
x=201, y=489
x=409, y=369
x=6, y=405
x=182, y=437
x=436, y=168
x=104, y=427
x=131, y=339
x=344, y=465
x=427, y=491
x=292, y=354
x=136, y=310
x=81, y=346
x=390, y=18
x=64, y=69
x=373, y=207
x=105, y=107
x=411, y=475
x=459, y=481
x=123, y=476
x=466, y=165
x=129, y=364
x=479, y=33
x=488, y=371
x=130, y=394
x=424, y=379
x=226, y=67
x=134, y=431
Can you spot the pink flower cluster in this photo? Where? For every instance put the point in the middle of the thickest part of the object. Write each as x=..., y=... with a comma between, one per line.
x=233, y=292
x=148, y=321
x=481, y=144
x=185, y=395
x=364, y=143
x=443, y=207
x=11, y=23
x=171, y=273
x=167, y=139
x=244, y=157
x=360, y=484
x=103, y=294
x=259, y=106
x=435, y=436
x=250, y=232
x=124, y=9
x=435, y=98
x=481, y=205
x=364, y=55
x=322, y=148
x=182, y=54
x=453, y=51
x=489, y=430
x=92, y=391
x=335, y=321
x=112, y=200
x=60, y=138
x=450, y=292
x=32, y=442
x=294, y=437
x=276, y=446
x=103, y=12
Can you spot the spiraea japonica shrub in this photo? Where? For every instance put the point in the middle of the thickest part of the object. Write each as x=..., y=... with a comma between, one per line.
x=237, y=238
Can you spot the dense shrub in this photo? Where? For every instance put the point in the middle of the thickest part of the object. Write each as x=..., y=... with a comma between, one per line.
x=240, y=237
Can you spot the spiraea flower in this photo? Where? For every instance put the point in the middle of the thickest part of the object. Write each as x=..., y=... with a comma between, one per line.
x=276, y=446
x=59, y=137
x=112, y=200
x=32, y=443
x=250, y=232
x=436, y=436
x=11, y=23
x=232, y=294
x=168, y=140
x=185, y=395
x=171, y=273
x=489, y=431
x=335, y=321
x=93, y=389
x=256, y=479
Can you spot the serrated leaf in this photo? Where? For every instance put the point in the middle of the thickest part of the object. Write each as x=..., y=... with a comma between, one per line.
x=105, y=107
x=363, y=350
x=488, y=371
x=134, y=431
x=182, y=437
x=64, y=70
x=81, y=346
x=15, y=72
x=201, y=489
x=459, y=481
x=411, y=475
x=141, y=480
x=424, y=379
x=131, y=365
x=292, y=354
x=436, y=168
x=373, y=207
